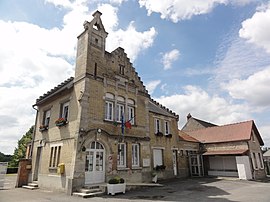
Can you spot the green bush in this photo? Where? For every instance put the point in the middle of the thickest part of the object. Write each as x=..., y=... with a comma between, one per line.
x=121, y=180
x=116, y=180
x=113, y=181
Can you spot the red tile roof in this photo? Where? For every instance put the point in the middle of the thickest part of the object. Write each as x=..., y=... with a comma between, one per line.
x=226, y=133
x=185, y=137
x=227, y=152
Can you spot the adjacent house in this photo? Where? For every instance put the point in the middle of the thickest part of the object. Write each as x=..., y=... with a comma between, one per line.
x=231, y=150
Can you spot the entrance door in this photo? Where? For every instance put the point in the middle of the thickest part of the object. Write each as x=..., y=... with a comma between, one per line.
x=95, y=164
x=35, y=177
x=175, y=162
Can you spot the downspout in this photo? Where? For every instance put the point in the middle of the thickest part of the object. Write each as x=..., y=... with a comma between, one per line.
x=34, y=132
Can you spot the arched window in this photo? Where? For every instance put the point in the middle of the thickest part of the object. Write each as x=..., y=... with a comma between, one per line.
x=109, y=106
x=131, y=111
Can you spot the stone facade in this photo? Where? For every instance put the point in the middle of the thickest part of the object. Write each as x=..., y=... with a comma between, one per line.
x=107, y=117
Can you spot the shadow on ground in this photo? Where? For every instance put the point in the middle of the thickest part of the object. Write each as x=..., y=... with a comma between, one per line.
x=195, y=189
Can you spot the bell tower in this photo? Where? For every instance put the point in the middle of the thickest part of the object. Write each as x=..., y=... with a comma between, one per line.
x=90, y=47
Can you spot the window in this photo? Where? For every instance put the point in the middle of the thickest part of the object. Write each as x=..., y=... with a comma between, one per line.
x=120, y=112
x=64, y=110
x=122, y=69
x=255, y=165
x=131, y=111
x=167, y=128
x=55, y=156
x=121, y=161
x=135, y=155
x=158, y=157
x=109, y=111
x=157, y=125
x=131, y=115
x=260, y=160
x=46, y=117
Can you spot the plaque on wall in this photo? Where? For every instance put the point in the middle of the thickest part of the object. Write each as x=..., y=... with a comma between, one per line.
x=146, y=162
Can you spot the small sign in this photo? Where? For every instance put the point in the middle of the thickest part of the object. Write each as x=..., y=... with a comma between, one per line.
x=146, y=162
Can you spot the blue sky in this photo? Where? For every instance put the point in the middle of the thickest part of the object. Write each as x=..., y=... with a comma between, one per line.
x=209, y=58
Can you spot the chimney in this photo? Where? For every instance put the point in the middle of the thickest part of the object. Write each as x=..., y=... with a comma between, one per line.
x=188, y=116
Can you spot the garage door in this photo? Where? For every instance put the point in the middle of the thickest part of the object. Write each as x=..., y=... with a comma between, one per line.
x=222, y=166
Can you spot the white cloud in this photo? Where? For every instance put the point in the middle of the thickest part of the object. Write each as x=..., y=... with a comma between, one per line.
x=170, y=57
x=181, y=9
x=152, y=85
x=254, y=89
x=131, y=40
x=177, y=10
x=204, y=106
x=256, y=29
x=118, y=2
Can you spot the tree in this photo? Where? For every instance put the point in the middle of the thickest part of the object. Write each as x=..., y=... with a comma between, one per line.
x=20, y=151
x=5, y=157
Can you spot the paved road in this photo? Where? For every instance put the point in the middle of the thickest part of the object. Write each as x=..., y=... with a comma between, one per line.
x=196, y=189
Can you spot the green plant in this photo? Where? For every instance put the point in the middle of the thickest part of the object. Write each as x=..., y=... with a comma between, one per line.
x=116, y=180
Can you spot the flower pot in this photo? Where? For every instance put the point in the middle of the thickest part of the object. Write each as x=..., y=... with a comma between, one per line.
x=116, y=188
x=61, y=124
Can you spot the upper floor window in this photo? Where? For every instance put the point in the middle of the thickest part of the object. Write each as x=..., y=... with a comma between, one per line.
x=122, y=69
x=135, y=155
x=109, y=106
x=157, y=125
x=46, y=117
x=121, y=160
x=131, y=115
x=109, y=111
x=65, y=110
x=120, y=112
x=131, y=111
x=167, y=127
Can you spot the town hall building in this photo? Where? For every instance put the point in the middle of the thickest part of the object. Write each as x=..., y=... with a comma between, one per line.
x=103, y=123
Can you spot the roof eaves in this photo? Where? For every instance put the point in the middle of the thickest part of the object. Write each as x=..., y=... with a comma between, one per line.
x=162, y=108
x=67, y=84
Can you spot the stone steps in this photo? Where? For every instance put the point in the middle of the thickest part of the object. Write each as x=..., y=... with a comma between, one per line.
x=89, y=191
x=31, y=186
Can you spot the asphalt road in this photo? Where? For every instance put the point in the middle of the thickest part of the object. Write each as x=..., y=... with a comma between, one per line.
x=195, y=189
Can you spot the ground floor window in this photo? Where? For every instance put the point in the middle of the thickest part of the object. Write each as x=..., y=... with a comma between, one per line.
x=121, y=160
x=157, y=157
x=54, y=156
x=135, y=155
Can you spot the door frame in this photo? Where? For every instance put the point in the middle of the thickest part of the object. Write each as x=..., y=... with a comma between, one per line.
x=93, y=173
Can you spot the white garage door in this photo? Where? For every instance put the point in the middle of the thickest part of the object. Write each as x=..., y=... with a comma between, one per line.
x=222, y=166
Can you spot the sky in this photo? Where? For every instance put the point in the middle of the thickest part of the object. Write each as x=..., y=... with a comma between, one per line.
x=209, y=58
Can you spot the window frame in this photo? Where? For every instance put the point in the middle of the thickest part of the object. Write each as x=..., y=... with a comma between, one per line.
x=135, y=153
x=154, y=158
x=131, y=114
x=166, y=127
x=46, y=117
x=120, y=111
x=157, y=125
x=55, y=154
x=109, y=115
x=64, y=113
x=122, y=155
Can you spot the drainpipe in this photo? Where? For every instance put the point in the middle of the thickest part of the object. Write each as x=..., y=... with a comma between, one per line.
x=34, y=132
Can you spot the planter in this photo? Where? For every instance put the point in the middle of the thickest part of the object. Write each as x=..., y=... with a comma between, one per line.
x=159, y=134
x=61, y=124
x=116, y=188
x=154, y=179
x=168, y=136
x=41, y=129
